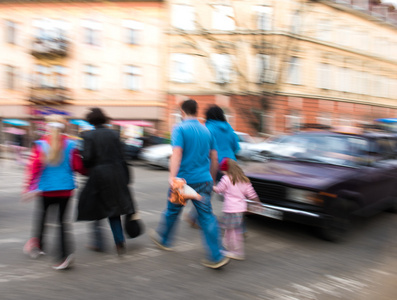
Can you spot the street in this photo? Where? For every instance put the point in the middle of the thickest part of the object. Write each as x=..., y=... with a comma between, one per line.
x=284, y=260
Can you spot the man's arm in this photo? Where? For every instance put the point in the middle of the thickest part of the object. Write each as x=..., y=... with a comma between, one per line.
x=214, y=164
x=175, y=162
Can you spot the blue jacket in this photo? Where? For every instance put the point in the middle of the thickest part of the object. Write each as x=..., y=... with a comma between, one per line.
x=57, y=177
x=225, y=139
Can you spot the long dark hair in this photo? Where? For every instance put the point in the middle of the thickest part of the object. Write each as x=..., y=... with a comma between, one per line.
x=216, y=113
x=96, y=117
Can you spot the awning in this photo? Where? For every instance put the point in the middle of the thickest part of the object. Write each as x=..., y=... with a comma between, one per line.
x=84, y=125
x=136, y=123
x=387, y=120
x=16, y=122
x=14, y=130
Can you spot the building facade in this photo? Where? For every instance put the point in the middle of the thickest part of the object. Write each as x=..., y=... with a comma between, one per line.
x=274, y=65
x=67, y=56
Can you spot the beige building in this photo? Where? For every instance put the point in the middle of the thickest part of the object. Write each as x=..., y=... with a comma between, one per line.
x=67, y=56
x=271, y=64
x=274, y=65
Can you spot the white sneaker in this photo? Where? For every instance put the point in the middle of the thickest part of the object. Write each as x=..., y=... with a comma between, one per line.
x=234, y=255
x=65, y=264
x=156, y=239
x=215, y=265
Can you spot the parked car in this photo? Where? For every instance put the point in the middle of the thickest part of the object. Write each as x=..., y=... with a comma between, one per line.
x=157, y=155
x=245, y=142
x=132, y=148
x=325, y=178
x=261, y=151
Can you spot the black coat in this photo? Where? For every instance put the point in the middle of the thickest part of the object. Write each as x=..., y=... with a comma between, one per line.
x=106, y=193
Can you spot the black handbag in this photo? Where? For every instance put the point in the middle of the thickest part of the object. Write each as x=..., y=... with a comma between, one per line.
x=133, y=225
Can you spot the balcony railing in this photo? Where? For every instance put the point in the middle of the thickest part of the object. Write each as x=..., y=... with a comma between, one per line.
x=49, y=95
x=50, y=48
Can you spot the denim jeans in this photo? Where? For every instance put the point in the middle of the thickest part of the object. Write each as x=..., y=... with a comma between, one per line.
x=207, y=221
x=115, y=226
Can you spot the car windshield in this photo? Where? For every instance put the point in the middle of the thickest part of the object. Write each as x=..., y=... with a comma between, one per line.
x=330, y=149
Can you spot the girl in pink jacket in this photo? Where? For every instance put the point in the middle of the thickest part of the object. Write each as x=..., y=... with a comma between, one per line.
x=235, y=187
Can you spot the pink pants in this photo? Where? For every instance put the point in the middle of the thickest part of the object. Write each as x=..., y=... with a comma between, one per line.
x=233, y=241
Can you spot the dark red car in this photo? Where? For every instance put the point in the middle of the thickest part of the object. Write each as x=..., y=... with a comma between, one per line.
x=322, y=178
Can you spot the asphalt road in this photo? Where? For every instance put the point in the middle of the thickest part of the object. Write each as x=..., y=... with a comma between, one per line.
x=284, y=260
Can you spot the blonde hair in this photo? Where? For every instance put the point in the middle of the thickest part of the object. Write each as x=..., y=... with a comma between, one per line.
x=235, y=173
x=54, y=155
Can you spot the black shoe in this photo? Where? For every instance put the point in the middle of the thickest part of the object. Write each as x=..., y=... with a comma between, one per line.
x=121, y=248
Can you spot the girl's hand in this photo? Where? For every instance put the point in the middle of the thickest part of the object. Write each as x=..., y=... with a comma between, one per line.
x=256, y=200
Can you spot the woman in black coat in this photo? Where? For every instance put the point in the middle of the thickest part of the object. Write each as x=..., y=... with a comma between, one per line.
x=106, y=193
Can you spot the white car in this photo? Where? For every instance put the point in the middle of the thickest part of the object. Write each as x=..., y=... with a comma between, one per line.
x=157, y=155
x=245, y=142
x=261, y=151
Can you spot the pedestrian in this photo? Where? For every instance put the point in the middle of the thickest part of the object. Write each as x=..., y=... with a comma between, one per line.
x=50, y=175
x=236, y=187
x=227, y=145
x=106, y=193
x=193, y=159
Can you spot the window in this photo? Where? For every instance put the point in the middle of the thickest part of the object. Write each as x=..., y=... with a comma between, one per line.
x=265, y=72
x=92, y=31
x=223, y=17
x=91, y=77
x=50, y=76
x=50, y=29
x=264, y=17
x=133, y=31
x=325, y=76
x=293, y=120
x=296, y=22
x=324, y=30
x=362, y=40
x=294, y=76
x=223, y=67
x=10, y=33
x=59, y=76
x=182, y=67
x=376, y=86
x=183, y=17
x=10, y=77
x=42, y=74
x=344, y=35
x=355, y=81
x=133, y=78
x=346, y=80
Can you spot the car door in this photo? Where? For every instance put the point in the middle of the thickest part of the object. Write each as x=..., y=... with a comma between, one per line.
x=379, y=177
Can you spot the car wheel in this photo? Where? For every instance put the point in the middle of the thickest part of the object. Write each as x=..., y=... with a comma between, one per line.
x=334, y=229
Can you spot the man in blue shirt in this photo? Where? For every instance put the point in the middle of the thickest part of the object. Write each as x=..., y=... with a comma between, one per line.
x=194, y=159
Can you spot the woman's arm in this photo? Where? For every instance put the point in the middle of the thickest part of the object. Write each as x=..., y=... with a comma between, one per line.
x=33, y=170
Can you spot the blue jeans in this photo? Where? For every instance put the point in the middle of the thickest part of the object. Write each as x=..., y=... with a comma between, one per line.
x=206, y=219
x=115, y=226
